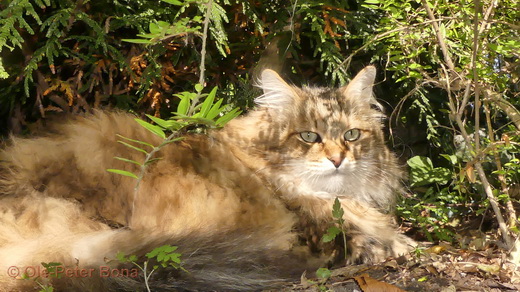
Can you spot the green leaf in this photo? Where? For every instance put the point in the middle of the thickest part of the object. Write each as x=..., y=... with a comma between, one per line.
x=154, y=28
x=3, y=73
x=227, y=117
x=152, y=161
x=331, y=234
x=122, y=172
x=199, y=87
x=163, y=24
x=323, y=273
x=215, y=110
x=135, y=141
x=167, y=124
x=423, y=173
x=128, y=160
x=152, y=128
x=161, y=250
x=160, y=257
x=133, y=147
x=173, y=2
x=208, y=102
x=182, y=108
x=137, y=41
x=337, y=210
x=420, y=162
x=451, y=158
x=120, y=256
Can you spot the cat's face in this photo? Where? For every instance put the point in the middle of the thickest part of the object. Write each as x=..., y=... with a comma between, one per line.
x=330, y=140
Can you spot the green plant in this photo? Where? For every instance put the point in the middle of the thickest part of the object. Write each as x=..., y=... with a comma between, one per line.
x=50, y=271
x=450, y=61
x=189, y=113
x=338, y=227
x=164, y=255
x=323, y=274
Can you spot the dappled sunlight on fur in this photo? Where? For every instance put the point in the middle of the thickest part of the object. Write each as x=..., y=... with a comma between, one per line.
x=246, y=204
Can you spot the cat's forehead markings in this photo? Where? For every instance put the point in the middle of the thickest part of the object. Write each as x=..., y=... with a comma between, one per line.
x=336, y=128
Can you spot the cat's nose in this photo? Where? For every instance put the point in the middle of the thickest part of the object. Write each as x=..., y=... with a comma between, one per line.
x=336, y=160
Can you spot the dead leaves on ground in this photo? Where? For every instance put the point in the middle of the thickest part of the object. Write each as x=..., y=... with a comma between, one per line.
x=436, y=268
x=368, y=284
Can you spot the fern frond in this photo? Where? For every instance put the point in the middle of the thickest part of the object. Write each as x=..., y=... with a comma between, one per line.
x=52, y=48
x=218, y=18
x=100, y=39
x=56, y=22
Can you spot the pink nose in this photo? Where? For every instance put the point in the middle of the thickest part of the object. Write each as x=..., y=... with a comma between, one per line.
x=336, y=160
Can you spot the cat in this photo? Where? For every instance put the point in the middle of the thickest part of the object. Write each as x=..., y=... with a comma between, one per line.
x=246, y=204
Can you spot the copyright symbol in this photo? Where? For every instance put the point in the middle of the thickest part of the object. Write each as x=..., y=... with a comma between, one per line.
x=13, y=272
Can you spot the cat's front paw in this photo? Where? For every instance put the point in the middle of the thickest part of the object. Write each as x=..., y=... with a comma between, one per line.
x=402, y=245
x=368, y=249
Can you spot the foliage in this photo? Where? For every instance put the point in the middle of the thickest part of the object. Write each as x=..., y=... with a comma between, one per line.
x=338, y=227
x=164, y=255
x=453, y=47
x=190, y=114
x=51, y=270
x=67, y=56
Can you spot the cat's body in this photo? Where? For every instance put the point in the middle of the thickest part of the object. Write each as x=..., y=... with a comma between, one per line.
x=246, y=204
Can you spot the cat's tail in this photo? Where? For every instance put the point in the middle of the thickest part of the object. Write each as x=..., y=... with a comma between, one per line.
x=242, y=260
x=218, y=262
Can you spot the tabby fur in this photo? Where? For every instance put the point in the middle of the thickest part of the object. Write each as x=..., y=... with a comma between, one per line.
x=246, y=204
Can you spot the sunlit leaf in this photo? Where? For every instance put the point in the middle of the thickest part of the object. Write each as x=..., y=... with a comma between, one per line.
x=135, y=141
x=128, y=160
x=183, y=106
x=215, y=110
x=173, y=2
x=228, y=117
x=208, y=102
x=137, y=41
x=122, y=172
x=152, y=128
x=167, y=124
x=323, y=273
x=133, y=147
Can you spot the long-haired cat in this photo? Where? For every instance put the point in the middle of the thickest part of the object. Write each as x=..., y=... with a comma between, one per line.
x=247, y=204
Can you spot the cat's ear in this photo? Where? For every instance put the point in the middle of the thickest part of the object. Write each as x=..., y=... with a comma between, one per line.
x=359, y=89
x=277, y=93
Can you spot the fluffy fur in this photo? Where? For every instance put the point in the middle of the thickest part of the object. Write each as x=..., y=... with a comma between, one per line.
x=247, y=204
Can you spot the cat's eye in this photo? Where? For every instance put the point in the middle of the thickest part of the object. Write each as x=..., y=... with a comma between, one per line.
x=352, y=135
x=310, y=137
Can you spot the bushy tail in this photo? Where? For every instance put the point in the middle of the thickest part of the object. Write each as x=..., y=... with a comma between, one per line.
x=219, y=262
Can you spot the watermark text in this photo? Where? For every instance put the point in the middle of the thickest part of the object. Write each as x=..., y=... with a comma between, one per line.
x=70, y=272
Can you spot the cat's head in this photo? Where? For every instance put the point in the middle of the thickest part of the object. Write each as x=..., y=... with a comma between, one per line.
x=329, y=139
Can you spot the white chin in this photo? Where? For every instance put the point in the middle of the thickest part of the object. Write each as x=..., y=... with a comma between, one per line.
x=332, y=182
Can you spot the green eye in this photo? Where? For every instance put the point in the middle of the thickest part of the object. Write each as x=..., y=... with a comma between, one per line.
x=310, y=137
x=352, y=135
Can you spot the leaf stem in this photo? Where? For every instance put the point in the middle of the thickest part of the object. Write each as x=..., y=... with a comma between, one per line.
x=194, y=102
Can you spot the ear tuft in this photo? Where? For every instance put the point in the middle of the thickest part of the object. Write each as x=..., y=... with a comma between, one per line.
x=359, y=90
x=361, y=86
x=277, y=93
